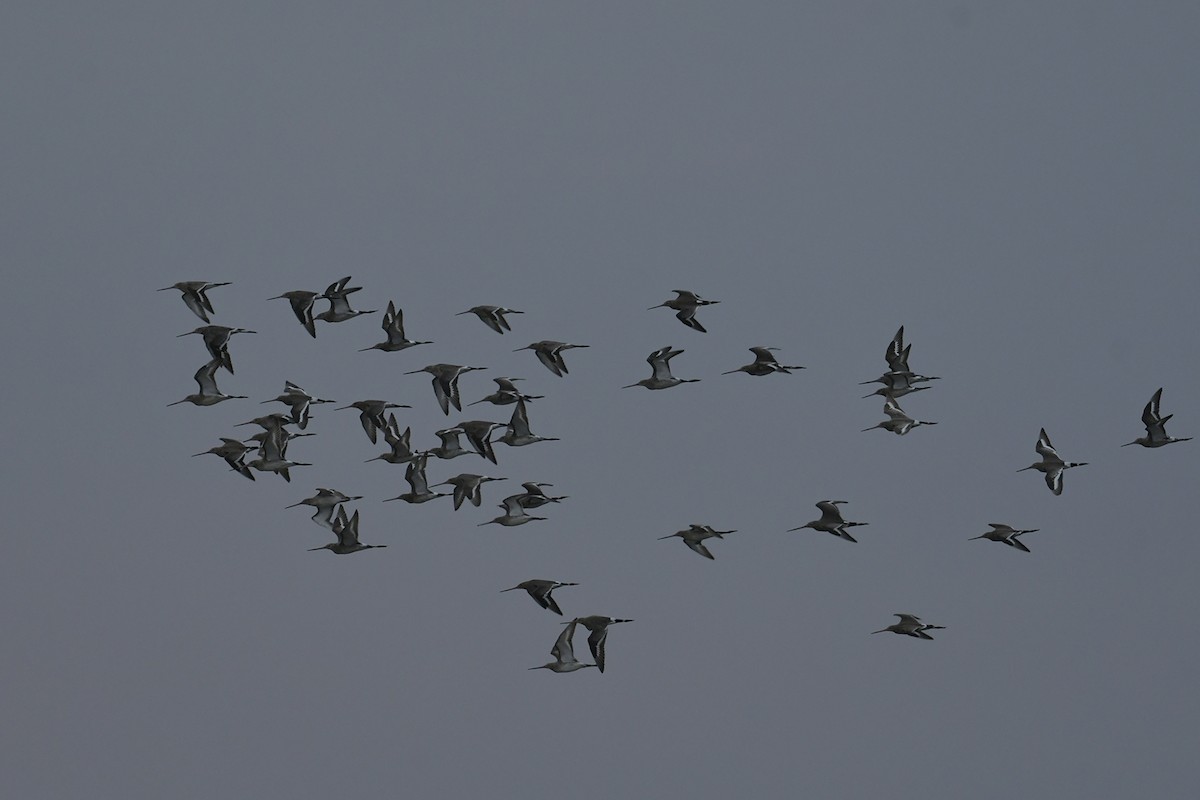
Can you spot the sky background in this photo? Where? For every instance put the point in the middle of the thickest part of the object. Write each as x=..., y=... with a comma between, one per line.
x=1015, y=183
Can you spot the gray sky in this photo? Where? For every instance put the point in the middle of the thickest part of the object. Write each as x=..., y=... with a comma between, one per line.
x=1015, y=183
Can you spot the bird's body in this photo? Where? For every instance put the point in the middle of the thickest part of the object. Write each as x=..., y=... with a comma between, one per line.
x=299, y=401
x=370, y=414
x=897, y=422
x=1007, y=535
x=216, y=341
x=400, y=443
x=467, y=486
x=209, y=394
x=506, y=394
x=347, y=532
x=393, y=328
x=550, y=354
x=564, y=653
x=540, y=591
x=831, y=521
x=195, y=296
x=234, y=453
x=302, y=306
x=695, y=535
x=325, y=501
x=686, y=303
x=1051, y=465
x=339, y=309
x=764, y=363
x=598, y=626
x=660, y=365
x=518, y=433
x=451, y=446
x=1156, y=425
x=479, y=435
x=492, y=316
x=445, y=383
x=910, y=626
x=514, y=514
x=534, y=496
x=419, y=491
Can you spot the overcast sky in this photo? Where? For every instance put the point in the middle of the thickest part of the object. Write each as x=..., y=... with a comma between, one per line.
x=1015, y=183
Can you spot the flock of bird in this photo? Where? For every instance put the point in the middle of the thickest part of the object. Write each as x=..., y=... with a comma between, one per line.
x=270, y=446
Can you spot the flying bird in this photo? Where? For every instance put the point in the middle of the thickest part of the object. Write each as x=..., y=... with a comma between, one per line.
x=564, y=653
x=897, y=422
x=195, y=296
x=695, y=535
x=660, y=365
x=445, y=383
x=599, y=633
x=831, y=521
x=910, y=626
x=347, y=532
x=540, y=591
x=1156, y=425
x=686, y=303
x=393, y=328
x=302, y=306
x=1051, y=464
x=764, y=364
x=550, y=354
x=209, y=394
x=492, y=316
x=1007, y=535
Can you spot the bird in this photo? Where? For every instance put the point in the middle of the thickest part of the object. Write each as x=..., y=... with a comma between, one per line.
x=216, y=340
x=195, y=296
x=550, y=354
x=534, y=496
x=1006, y=534
x=234, y=453
x=492, y=316
x=371, y=415
x=1156, y=425
x=324, y=501
x=451, y=446
x=514, y=514
x=467, y=487
x=599, y=632
x=299, y=401
x=209, y=395
x=445, y=383
x=892, y=393
x=393, y=326
x=301, y=302
x=339, y=302
x=897, y=422
x=695, y=535
x=686, y=303
x=401, y=450
x=831, y=521
x=1051, y=464
x=272, y=455
x=564, y=653
x=479, y=435
x=540, y=591
x=902, y=382
x=347, y=532
x=661, y=377
x=507, y=394
x=518, y=433
x=418, y=483
x=764, y=364
x=911, y=626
